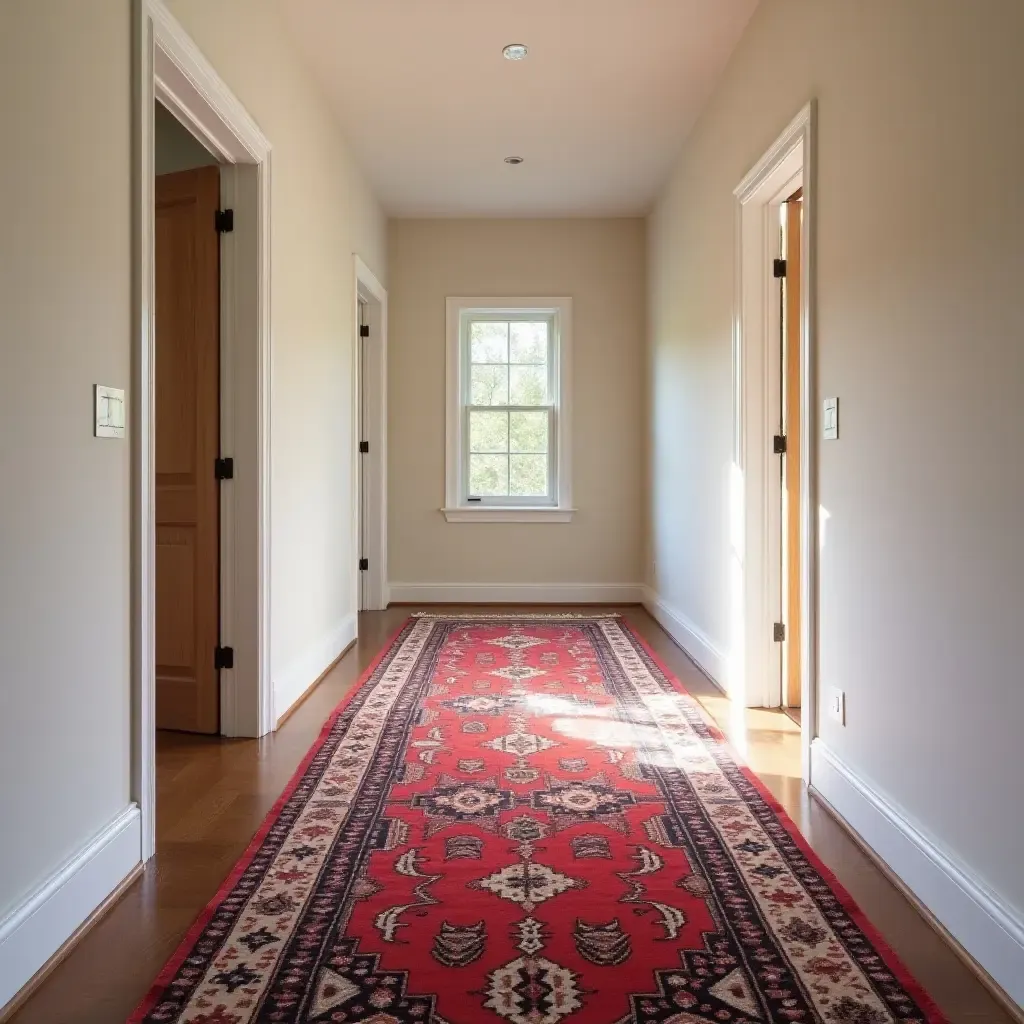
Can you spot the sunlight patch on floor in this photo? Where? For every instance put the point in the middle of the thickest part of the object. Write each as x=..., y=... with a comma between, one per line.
x=767, y=739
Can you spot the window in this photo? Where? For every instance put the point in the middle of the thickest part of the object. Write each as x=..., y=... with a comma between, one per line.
x=508, y=409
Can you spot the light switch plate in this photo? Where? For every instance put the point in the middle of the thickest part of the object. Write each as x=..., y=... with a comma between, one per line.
x=837, y=706
x=109, y=411
x=830, y=419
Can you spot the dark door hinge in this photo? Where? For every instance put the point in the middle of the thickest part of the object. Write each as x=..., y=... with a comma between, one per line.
x=778, y=268
x=223, y=657
x=364, y=446
x=224, y=469
x=364, y=564
x=779, y=445
x=779, y=632
x=224, y=221
x=364, y=330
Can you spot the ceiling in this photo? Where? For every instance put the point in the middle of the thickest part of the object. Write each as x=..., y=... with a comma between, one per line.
x=598, y=110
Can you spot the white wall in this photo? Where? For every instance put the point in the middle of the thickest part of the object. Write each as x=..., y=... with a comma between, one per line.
x=920, y=326
x=64, y=326
x=175, y=147
x=323, y=212
x=600, y=263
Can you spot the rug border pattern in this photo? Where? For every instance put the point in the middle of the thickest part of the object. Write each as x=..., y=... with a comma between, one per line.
x=772, y=819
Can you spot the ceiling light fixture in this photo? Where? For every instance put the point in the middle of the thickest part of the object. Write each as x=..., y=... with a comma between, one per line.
x=513, y=159
x=515, y=51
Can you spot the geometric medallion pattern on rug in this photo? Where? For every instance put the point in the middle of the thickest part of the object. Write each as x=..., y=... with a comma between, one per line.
x=525, y=819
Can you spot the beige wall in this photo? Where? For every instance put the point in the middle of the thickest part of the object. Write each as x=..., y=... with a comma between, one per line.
x=600, y=263
x=64, y=326
x=175, y=147
x=323, y=212
x=920, y=327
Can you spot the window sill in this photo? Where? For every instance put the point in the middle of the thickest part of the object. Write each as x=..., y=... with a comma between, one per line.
x=524, y=514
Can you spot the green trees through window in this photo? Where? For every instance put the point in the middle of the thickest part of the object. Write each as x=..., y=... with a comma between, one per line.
x=510, y=408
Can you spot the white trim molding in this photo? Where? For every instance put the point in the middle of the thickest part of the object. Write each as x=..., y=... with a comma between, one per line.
x=516, y=593
x=988, y=928
x=188, y=85
x=167, y=66
x=558, y=310
x=34, y=931
x=370, y=424
x=498, y=514
x=756, y=670
x=300, y=675
x=707, y=655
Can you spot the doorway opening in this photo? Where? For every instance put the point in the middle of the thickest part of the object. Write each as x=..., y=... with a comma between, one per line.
x=200, y=408
x=370, y=427
x=791, y=428
x=774, y=512
x=362, y=337
x=187, y=462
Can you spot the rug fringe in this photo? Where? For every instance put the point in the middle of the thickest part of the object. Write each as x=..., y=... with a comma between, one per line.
x=525, y=616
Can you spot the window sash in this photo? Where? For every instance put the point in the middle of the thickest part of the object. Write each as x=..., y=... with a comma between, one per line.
x=467, y=498
x=529, y=501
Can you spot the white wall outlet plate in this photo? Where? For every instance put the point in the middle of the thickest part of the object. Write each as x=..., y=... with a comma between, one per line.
x=109, y=411
x=837, y=706
x=830, y=419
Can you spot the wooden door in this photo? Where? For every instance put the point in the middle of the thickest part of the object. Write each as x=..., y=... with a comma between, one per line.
x=187, y=446
x=792, y=429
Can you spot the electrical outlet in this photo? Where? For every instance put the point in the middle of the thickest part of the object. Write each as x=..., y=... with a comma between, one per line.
x=837, y=706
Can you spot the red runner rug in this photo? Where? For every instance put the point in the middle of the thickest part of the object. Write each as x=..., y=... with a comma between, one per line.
x=527, y=820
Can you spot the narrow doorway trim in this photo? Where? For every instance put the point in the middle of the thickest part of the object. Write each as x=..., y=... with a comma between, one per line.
x=370, y=414
x=788, y=163
x=167, y=66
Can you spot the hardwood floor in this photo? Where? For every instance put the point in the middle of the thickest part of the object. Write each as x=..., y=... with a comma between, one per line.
x=213, y=794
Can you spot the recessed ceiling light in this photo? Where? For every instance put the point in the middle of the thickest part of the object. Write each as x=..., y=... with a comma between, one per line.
x=513, y=159
x=515, y=51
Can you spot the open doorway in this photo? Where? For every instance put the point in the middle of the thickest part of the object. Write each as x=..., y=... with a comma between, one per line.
x=188, y=468
x=362, y=337
x=370, y=368
x=774, y=588
x=200, y=408
x=791, y=428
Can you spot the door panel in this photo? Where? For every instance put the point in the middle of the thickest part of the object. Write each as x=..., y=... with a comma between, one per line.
x=187, y=443
x=176, y=572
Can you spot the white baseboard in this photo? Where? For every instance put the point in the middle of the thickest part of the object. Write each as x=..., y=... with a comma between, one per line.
x=36, y=929
x=297, y=678
x=516, y=593
x=694, y=641
x=979, y=919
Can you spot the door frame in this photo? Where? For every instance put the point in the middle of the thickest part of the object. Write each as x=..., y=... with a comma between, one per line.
x=789, y=163
x=168, y=66
x=370, y=412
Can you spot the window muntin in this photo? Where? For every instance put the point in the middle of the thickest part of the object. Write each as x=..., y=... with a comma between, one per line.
x=509, y=419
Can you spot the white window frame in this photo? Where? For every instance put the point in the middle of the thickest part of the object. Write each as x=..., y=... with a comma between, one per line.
x=457, y=509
